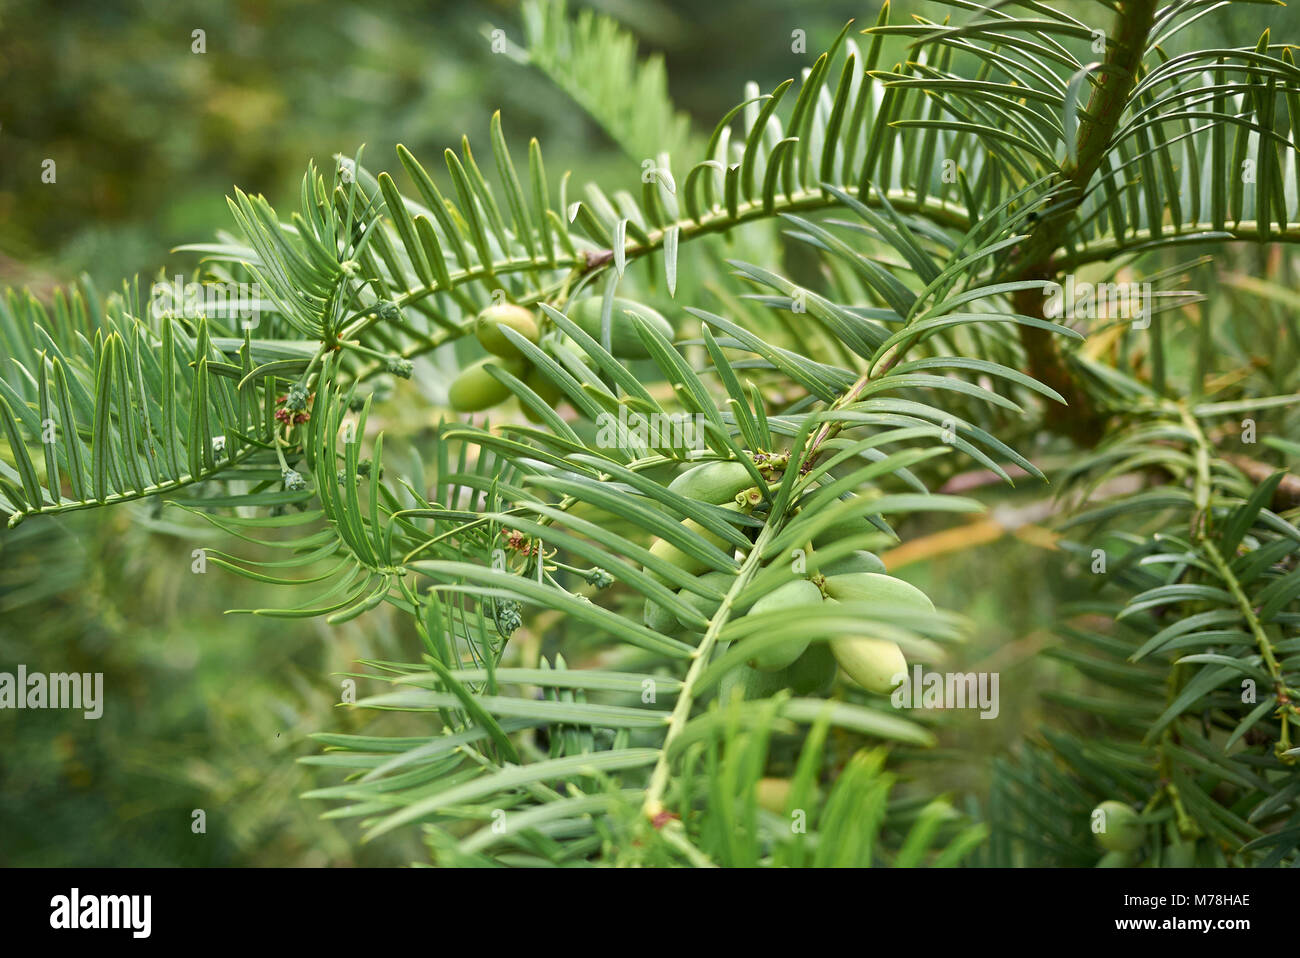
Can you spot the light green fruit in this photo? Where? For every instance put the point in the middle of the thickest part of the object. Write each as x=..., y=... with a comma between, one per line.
x=750, y=684
x=488, y=328
x=665, y=550
x=656, y=617
x=1180, y=855
x=475, y=389
x=670, y=553
x=1115, y=860
x=875, y=664
x=623, y=339
x=857, y=527
x=800, y=592
x=773, y=794
x=872, y=662
x=550, y=393
x=859, y=561
x=1120, y=829
x=813, y=673
x=713, y=482
x=705, y=606
x=877, y=587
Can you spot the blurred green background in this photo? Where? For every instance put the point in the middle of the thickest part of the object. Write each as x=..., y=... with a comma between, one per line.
x=209, y=711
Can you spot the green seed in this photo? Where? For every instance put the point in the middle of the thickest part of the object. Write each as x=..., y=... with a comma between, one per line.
x=749, y=684
x=670, y=553
x=475, y=389
x=857, y=527
x=623, y=339
x=860, y=561
x=550, y=393
x=661, y=620
x=1121, y=831
x=875, y=664
x=773, y=794
x=488, y=328
x=706, y=607
x=800, y=592
x=1115, y=860
x=713, y=482
x=876, y=587
x=1180, y=855
x=813, y=673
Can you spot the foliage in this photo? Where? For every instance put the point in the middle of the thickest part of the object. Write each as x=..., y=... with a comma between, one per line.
x=861, y=317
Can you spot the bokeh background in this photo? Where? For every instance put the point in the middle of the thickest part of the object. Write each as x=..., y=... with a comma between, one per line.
x=210, y=711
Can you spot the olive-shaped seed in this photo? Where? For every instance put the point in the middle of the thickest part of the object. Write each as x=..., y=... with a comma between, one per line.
x=705, y=606
x=623, y=339
x=475, y=389
x=877, y=665
x=800, y=592
x=670, y=553
x=859, y=561
x=877, y=587
x=713, y=482
x=1117, y=827
x=550, y=393
x=857, y=527
x=813, y=673
x=658, y=618
x=749, y=684
x=488, y=328
x=773, y=794
x=1115, y=860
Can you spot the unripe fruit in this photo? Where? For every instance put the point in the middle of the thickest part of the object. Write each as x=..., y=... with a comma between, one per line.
x=670, y=553
x=855, y=527
x=488, y=328
x=773, y=794
x=475, y=389
x=707, y=607
x=623, y=339
x=860, y=561
x=877, y=587
x=1115, y=860
x=656, y=617
x=713, y=482
x=813, y=673
x=1121, y=831
x=791, y=595
x=752, y=684
x=875, y=664
x=550, y=393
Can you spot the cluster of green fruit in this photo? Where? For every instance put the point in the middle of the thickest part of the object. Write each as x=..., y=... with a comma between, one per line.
x=797, y=663
x=475, y=389
x=1121, y=833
